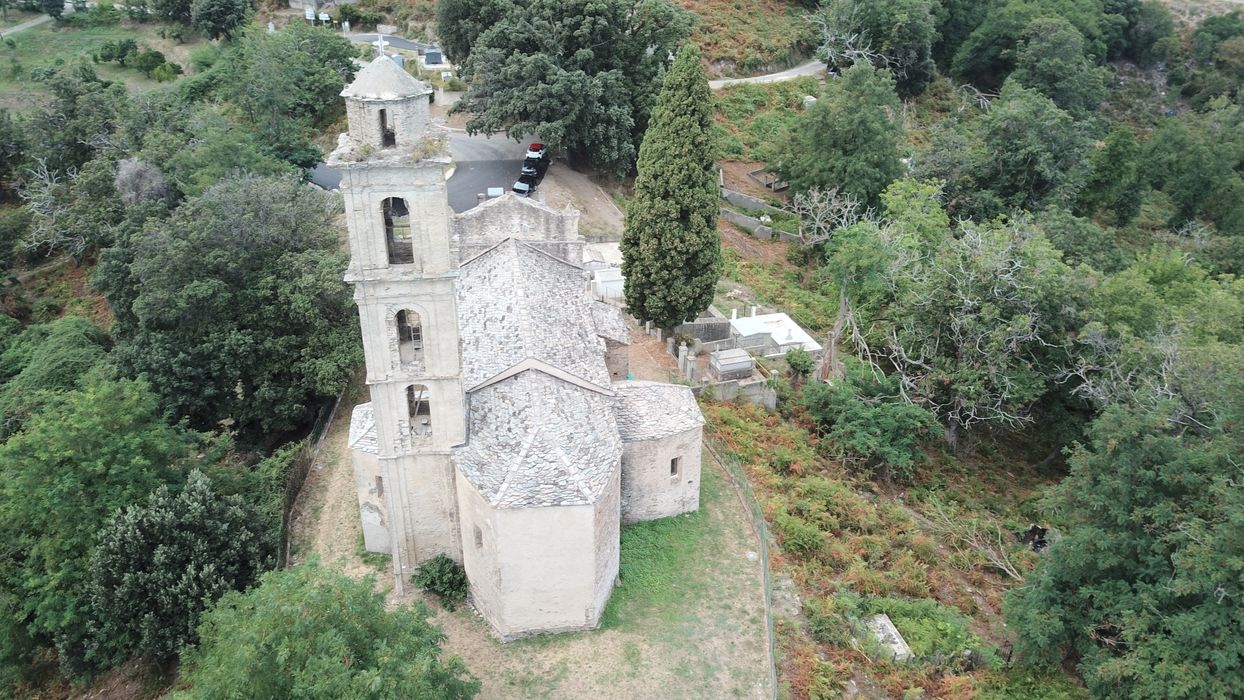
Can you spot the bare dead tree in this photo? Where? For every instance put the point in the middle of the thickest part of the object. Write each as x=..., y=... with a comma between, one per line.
x=842, y=41
x=822, y=212
x=989, y=540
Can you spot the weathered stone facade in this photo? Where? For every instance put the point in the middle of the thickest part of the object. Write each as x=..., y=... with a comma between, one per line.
x=499, y=431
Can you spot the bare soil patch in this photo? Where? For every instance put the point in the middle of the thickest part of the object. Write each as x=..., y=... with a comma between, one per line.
x=734, y=172
x=601, y=219
x=648, y=358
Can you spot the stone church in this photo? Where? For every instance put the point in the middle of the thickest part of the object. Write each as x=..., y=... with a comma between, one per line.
x=502, y=429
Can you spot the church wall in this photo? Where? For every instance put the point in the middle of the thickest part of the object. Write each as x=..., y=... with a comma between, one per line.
x=648, y=489
x=480, y=561
x=365, y=186
x=369, y=484
x=546, y=558
x=554, y=232
x=608, y=526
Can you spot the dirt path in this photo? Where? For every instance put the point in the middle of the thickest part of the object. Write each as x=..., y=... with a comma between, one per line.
x=648, y=357
x=326, y=514
x=813, y=67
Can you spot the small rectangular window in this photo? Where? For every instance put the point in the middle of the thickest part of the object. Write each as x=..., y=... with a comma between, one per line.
x=674, y=466
x=479, y=537
x=380, y=486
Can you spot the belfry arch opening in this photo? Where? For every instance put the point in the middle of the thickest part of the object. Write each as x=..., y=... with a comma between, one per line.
x=397, y=237
x=419, y=408
x=388, y=136
x=409, y=337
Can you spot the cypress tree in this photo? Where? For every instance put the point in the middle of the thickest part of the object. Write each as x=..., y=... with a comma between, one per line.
x=671, y=254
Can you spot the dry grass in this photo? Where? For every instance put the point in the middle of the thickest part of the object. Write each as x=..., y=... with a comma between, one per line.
x=746, y=37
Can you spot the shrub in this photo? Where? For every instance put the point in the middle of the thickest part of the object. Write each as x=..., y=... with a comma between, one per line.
x=161, y=564
x=445, y=578
x=797, y=535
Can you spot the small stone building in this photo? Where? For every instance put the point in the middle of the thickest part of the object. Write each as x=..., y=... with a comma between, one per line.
x=501, y=430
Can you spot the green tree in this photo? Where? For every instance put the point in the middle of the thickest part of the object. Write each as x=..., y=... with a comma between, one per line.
x=874, y=432
x=1194, y=158
x=75, y=213
x=849, y=139
x=1051, y=60
x=1024, y=153
x=284, y=83
x=172, y=10
x=220, y=150
x=972, y=324
x=54, y=8
x=896, y=35
x=311, y=632
x=1142, y=588
x=238, y=309
x=956, y=20
x=988, y=55
x=460, y=22
x=43, y=361
x=83, y=115
x=85, y=454
x=582, y=75
x=671, y=254
x=218, y=18
x=1116, y=182
x=1081, y=240
x=160, y=564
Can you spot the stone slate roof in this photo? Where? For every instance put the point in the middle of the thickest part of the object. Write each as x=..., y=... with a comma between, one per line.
x=363, y=429
x=610, y=323
x=652, y=410
x=383, y=79
x=516, y=302
x=535, y=440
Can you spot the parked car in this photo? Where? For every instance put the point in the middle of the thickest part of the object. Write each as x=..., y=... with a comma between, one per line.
x=525, y=186
x=538, y=151
x=535, y=167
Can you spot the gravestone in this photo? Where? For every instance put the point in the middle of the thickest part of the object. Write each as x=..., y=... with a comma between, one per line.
x=886, y=633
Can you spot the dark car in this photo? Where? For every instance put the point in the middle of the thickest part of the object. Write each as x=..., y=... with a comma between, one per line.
x=525, y=186
x=535, y=167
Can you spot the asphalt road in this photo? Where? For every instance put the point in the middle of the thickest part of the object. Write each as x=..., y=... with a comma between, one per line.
x=480, y=162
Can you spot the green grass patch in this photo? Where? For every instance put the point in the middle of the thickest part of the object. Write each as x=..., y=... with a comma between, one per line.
x=779, y=285
x=656, y=559
x=751, y=120
x=30, y=55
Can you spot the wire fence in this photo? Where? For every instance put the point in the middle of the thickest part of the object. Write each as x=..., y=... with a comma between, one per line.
x=743, y=489
x=300, y=465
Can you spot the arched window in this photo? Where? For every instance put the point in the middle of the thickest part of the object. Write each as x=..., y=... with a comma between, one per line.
x=388, y=137
x=397, y=231
x=419, y=404
x=409, y=337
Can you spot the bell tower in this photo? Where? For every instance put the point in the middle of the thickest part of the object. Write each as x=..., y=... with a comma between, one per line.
x=403, y=267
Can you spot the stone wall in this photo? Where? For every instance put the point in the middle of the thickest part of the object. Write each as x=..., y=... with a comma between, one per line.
x=649, y=491
x=747, y=201
x=755, y=391
x=409, y=119
x=553, y=231
x=752, y=225
x=705, y=330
